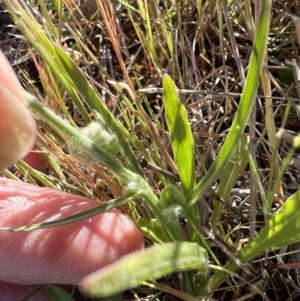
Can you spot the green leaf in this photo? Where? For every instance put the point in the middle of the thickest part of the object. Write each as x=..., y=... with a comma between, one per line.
x=181, y=135
x=171, y=196
x=151, y=228
x=58, y=294
x=282, y=230
x=154, y=262
x=244, y=109
x=240, y=120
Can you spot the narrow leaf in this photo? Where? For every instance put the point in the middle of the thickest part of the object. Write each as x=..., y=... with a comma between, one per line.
x=154, y=262
x=72, y=218
x=58, y=294
x=180, y=134
x=282, y=230
x=245, y=105
x=151, y=228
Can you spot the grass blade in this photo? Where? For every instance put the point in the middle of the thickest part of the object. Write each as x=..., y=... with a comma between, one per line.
x=73, y=218
x=97, y=106
x=242, y=115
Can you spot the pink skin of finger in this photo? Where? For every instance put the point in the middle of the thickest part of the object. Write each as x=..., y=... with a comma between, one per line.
x=17, y=126
x=35, y=160
x=61, y=254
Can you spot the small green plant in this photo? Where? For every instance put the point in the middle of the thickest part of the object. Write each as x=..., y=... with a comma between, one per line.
x=109, y=145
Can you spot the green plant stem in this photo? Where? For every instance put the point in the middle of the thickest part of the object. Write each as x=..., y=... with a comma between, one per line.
x=135, y=181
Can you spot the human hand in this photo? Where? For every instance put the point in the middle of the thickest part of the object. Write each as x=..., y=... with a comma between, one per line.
x=60, y=255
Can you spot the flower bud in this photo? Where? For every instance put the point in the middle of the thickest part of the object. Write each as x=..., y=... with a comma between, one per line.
x=172, y=202
x=100, y=136
x=171, y=196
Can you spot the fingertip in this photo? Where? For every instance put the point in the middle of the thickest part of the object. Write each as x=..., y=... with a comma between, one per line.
x=17, y=126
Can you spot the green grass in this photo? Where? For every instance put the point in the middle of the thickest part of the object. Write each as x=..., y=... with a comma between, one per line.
x=206, y=148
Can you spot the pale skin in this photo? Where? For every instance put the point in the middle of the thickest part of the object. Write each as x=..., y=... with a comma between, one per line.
x=60, y=255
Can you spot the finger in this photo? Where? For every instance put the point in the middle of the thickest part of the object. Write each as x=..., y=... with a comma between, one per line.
x=62, y=254
x=17, y=126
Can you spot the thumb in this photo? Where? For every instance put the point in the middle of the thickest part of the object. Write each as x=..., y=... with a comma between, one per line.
x=17, y=126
